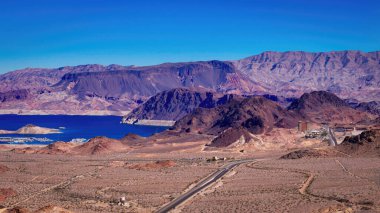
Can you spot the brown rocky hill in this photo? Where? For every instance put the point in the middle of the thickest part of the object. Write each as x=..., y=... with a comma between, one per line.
x=58, y=147
x=175, y=103
x=366, y=144
x=349, y=74
x=256, y=114
x=232, y=137
x=372, y=107
x=100, y=145
x=236, y=121
x=322, y=106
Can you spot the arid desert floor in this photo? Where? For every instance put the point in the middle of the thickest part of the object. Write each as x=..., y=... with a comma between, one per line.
x=95, y=183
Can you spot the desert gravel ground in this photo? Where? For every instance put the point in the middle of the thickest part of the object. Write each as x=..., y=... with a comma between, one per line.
x=303, y=185
x=95, y=183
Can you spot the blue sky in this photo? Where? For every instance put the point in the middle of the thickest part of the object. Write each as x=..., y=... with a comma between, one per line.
x=54, y=33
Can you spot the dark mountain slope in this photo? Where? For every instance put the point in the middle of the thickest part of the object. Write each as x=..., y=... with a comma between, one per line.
x=175, y=103
x=13, y=95
x=366, y=144
x=148, y=81
x=371, y=107
x=322, y=106
x=256, y=114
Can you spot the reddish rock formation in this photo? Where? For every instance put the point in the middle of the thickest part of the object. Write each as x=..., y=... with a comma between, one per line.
x=325, y=107
x=256, y=114
x=100, y=145
x=232, y=136
x=58, y=148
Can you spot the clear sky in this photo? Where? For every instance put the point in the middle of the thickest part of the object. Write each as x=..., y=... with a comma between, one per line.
x=54, y=33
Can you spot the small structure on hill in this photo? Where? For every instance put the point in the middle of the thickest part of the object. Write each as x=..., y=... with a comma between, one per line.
x=302, y=126
x=315, y=133
x=216, y=158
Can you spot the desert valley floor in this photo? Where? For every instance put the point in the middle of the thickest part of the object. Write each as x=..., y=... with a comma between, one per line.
x=148, y=181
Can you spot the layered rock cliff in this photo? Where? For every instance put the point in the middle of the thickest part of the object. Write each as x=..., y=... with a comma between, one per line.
x=349, y=74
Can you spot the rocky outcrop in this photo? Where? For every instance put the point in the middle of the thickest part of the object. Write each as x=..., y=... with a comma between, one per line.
x=312, y=153
x=14, y=95
x=232, y=137
x=100, y=145
x=372, y=107
x=366, y=144
x=256, y=114
x=58, y=147
x=176, y=103
x=326, y=107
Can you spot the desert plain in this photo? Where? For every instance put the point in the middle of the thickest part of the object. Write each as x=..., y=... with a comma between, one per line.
x=95, y=183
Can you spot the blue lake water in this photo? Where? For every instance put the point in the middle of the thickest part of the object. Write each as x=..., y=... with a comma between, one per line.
x=75, y=126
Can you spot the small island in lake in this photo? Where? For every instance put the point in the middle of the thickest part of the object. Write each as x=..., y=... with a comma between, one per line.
x=31, y=129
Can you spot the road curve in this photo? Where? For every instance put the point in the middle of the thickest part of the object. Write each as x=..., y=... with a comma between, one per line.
x=202, y=185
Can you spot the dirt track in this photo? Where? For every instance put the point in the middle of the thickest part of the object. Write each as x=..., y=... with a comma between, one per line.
x=95, y=183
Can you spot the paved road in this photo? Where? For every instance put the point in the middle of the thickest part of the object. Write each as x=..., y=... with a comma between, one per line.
x=332, y=138
x=202, y=185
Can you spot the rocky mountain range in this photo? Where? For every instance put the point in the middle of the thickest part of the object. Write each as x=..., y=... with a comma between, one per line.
x=115, y=88
x=237, y=121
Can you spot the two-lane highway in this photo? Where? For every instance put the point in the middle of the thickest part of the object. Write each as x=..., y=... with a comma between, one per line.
x=202, y=185
x=332, y=138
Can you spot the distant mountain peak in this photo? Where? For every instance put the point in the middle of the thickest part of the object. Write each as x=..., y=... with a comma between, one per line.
x=348, y=74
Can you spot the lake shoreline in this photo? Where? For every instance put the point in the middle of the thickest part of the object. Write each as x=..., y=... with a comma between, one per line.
x=73, y=127
x=62, y=112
